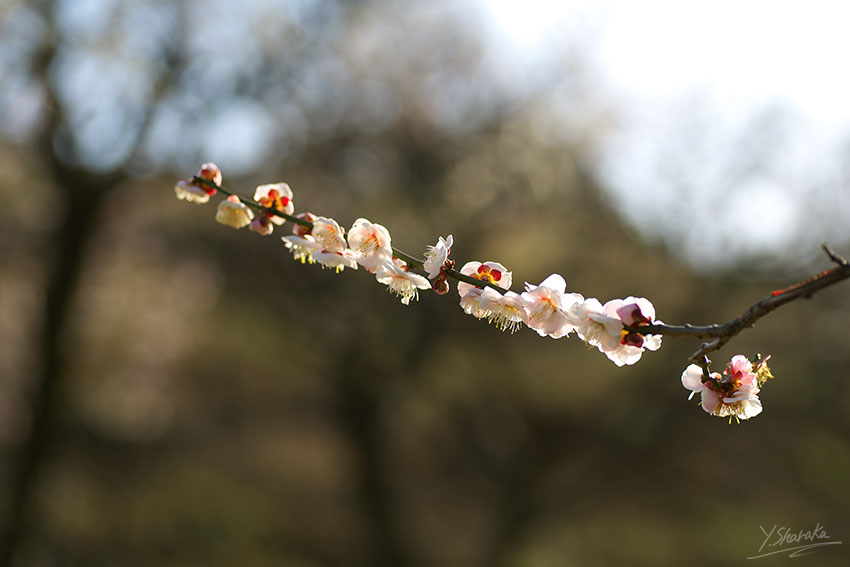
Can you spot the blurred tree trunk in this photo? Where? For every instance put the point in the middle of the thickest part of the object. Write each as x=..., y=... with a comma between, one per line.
x=81, y=193
x=68, y=244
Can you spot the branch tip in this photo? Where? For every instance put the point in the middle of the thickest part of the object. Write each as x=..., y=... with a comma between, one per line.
x=833, y=256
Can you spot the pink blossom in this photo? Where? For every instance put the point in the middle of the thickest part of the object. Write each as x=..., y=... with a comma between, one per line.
x=262, y=224
x=338, y=260
x=490, y=272
x=195, y=192
x=328, y=234
x=739, y=367
x=734, y=393
x=301, y=243
x=300, y=229
x=211, y=172
x=471, y=296
x=436, y=256
x=371, y=244
x=471, y=303
x=276, y=196
x=302, y=247
x=232, y=212
x=546, y=307
x=399, y=281
x=191, y=192
x=506, y=311
x=602, y=326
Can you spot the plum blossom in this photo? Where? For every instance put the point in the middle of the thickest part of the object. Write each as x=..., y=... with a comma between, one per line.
x=191, y=192
x=301, y=243
x=195, y=192
x=233, y=213
x=261, y=225
x=210, y=172
x=323, y=243
x=399, y=281
x=277, y=196
x=505, y=311
x=300, y=229
x=471, y=303
x=491, y=272
x=470, y=295
x=302, y=247
x=734, y=393
x=546, y=307
x=602, y=326
x=338, y=260
x=371, y=244
x=328, y=234
x=436, y=256
x=592, y=326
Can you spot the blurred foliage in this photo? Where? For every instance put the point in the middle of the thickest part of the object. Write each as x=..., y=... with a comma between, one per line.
x=223, y=404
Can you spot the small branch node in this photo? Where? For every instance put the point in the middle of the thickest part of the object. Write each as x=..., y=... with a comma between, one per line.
x=833, y=256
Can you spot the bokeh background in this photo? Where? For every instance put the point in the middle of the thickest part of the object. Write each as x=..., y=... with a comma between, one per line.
x=173, y=392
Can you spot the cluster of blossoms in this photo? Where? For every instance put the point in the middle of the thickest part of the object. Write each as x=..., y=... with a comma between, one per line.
x=734, y=393
x=484, y=288
x=197, y=192
x=551, y=311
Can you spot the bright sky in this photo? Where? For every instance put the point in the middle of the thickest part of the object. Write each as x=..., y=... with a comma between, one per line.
x=725, y=61
x=742, y=51
x=750, y=50
x=685, y=82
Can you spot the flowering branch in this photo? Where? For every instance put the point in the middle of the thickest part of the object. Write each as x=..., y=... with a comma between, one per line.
x=622, y=329
x=410, y=260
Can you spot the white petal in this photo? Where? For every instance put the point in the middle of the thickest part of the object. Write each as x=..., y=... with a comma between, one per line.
x=692, y=378
x=555, y=282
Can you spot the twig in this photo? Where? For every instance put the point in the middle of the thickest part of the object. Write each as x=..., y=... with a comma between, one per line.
x=720, y=334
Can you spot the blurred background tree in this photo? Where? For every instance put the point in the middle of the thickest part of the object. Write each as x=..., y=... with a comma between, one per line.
x=174, y=392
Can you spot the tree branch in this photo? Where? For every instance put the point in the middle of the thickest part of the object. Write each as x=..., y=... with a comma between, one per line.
x=720, y=334
x=415, y=262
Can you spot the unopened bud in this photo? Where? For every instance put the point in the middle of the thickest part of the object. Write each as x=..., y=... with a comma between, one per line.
x=301, y=230
x=210, y=172
x=440, y=285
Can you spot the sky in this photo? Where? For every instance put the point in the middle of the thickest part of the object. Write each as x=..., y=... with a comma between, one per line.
x=730, y=120
x=688, y=83
x=742, y=52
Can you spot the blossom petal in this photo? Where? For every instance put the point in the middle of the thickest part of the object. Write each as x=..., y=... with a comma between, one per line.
x=692, y=379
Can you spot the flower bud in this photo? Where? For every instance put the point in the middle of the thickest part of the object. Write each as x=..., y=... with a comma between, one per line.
x=440, y=285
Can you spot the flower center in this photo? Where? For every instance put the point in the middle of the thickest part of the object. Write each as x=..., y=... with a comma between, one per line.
x=488, y=275
x=631, y=339
x=506, y=317
x=369, y=245
x=274, y=200
x=595, y=331
x=545, y=309
x=208, y=173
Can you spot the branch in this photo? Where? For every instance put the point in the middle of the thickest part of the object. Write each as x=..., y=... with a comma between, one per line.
x=719, y=333
x=415, y=262
x=722, y=333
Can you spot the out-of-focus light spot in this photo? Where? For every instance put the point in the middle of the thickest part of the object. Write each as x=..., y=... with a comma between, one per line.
x=240, y=137
x=729, y=62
